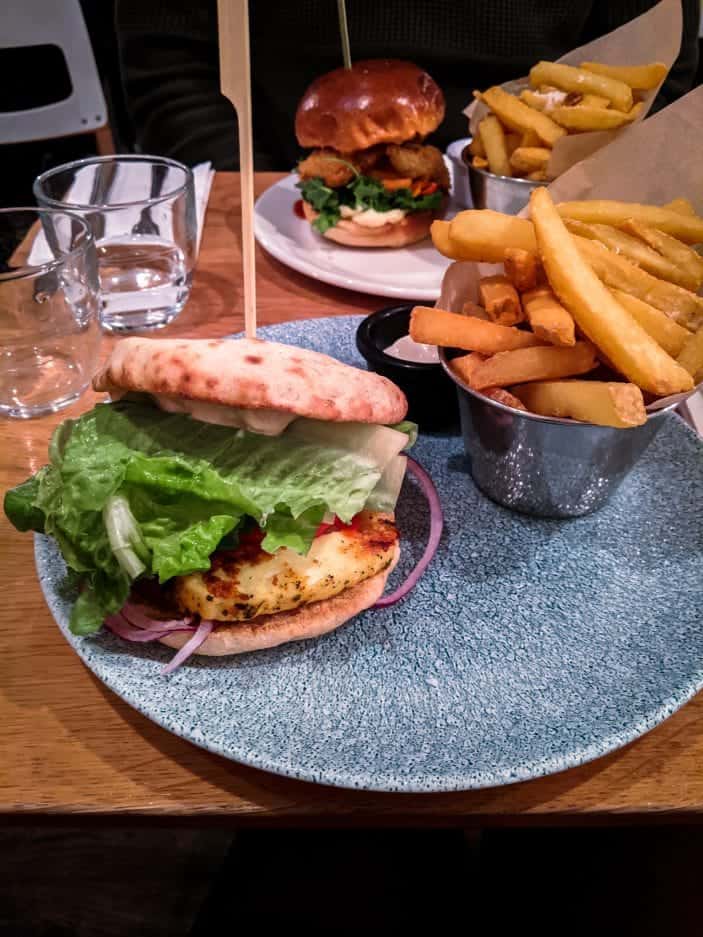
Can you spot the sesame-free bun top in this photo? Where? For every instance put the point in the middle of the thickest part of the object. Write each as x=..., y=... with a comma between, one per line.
x=250, y=374
x=375, y=101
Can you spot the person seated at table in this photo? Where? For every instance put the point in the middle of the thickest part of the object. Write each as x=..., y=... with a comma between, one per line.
x=170, y=60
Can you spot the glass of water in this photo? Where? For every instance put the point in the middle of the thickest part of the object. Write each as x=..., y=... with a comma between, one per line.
x=141, y=210
x=49, y=328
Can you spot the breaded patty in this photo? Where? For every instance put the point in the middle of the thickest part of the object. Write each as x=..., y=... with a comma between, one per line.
x=419, y=162
x=247, y=582
x=328, y=166
x=333, y=167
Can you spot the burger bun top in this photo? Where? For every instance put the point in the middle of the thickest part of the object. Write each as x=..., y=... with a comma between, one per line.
x=374, y=101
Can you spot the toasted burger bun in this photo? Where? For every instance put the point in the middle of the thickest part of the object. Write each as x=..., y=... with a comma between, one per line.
x=410, y=229
x=375, y=101
x=254, y=375
x=307, y=621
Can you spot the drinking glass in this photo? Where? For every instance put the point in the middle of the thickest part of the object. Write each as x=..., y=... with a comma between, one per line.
x=141, y=210
x=49, y=329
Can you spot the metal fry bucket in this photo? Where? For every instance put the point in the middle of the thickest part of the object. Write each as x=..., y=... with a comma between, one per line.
x=545, y=466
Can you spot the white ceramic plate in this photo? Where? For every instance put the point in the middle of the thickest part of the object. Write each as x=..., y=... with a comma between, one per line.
x=413, y=272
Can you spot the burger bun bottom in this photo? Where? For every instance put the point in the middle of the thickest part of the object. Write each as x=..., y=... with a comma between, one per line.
x=410, y=229
x=307, y=621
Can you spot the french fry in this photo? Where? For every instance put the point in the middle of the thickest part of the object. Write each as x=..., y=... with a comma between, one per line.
x=492, y=136
x=540, y=175
x=476, y=147
x=530, y=158
x=617, y=272
x=513, y=141
x=516, y=115
x=674, y=250
x=479, y=162
x=594, y=309
x=500, y=395
x=521, y=268
x=665, y=332
x=691, y=356
x=439, y=232
x=686, y=228
x=533, y=99
x=642, y=77
x=530, y=138
x=465, y=365
x=500, y=300
x=483, y=235
x=569, y=78
x=470, y=308
x=583, y=119
x=682, y=206
x=605, y=403
x=434, y=326
x=533, y=364
x=548, y=318
x=635, y=250
x=594, y=100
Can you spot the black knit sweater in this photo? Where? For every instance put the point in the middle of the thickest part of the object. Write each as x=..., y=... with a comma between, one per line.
x=170, y=60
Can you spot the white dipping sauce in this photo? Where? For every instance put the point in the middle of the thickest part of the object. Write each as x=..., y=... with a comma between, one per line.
x=408, y=350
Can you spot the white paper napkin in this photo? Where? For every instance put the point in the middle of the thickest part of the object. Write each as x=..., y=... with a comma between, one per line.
x=128, y=185
x=203, y=175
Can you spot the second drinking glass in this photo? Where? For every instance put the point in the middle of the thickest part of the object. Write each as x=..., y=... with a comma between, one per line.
x=141, y=210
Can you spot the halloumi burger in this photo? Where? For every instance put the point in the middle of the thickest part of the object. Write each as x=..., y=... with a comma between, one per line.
x=232, y=496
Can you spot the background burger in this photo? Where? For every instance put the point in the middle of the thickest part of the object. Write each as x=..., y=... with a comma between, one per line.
x=242, y=492
x=370, y=180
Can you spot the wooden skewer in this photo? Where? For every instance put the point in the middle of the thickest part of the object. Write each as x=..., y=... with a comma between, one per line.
x=344, y=33
x=235, y=83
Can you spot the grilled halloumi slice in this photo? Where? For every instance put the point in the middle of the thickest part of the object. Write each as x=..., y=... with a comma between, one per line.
x=247, y=582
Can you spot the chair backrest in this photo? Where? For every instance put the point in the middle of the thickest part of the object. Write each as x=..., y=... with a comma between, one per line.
x=60, y=23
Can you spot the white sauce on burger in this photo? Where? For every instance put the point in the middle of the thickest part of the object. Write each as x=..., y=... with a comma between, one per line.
x=370, y=218
x=263, y=421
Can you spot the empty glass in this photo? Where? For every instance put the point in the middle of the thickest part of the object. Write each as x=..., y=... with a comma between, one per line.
x=49, y=329
x=141, y=210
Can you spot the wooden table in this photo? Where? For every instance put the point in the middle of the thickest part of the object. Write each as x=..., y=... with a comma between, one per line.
x=69, y=746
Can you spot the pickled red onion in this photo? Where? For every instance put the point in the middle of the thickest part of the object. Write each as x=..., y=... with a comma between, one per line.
x=202, y=632
x=155, y=629
x=120, y=626
x=436, y=526
x=136, y=615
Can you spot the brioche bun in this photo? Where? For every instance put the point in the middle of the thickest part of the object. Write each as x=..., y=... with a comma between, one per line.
x=374, y=101
x=410, y=229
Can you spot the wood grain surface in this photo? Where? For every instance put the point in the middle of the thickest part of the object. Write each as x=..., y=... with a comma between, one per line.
x=69, y=747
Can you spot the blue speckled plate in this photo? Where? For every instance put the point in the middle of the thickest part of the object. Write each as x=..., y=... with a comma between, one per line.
x=529, y=646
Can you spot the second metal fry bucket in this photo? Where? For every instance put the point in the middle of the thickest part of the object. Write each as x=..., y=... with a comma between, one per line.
x=541, y=465
x=499, y=193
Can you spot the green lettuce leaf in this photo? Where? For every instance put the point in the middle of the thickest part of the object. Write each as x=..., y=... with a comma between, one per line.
x=410, y=430
x=296, y=533
x=20, y=505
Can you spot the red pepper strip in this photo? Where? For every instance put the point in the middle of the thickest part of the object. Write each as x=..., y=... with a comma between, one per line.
x=337, y=525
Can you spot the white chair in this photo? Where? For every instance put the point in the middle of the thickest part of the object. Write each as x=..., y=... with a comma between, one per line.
x=59, y=23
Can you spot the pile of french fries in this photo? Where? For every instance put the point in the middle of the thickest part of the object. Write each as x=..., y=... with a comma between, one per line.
x=517, y=136
x=585, y=285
